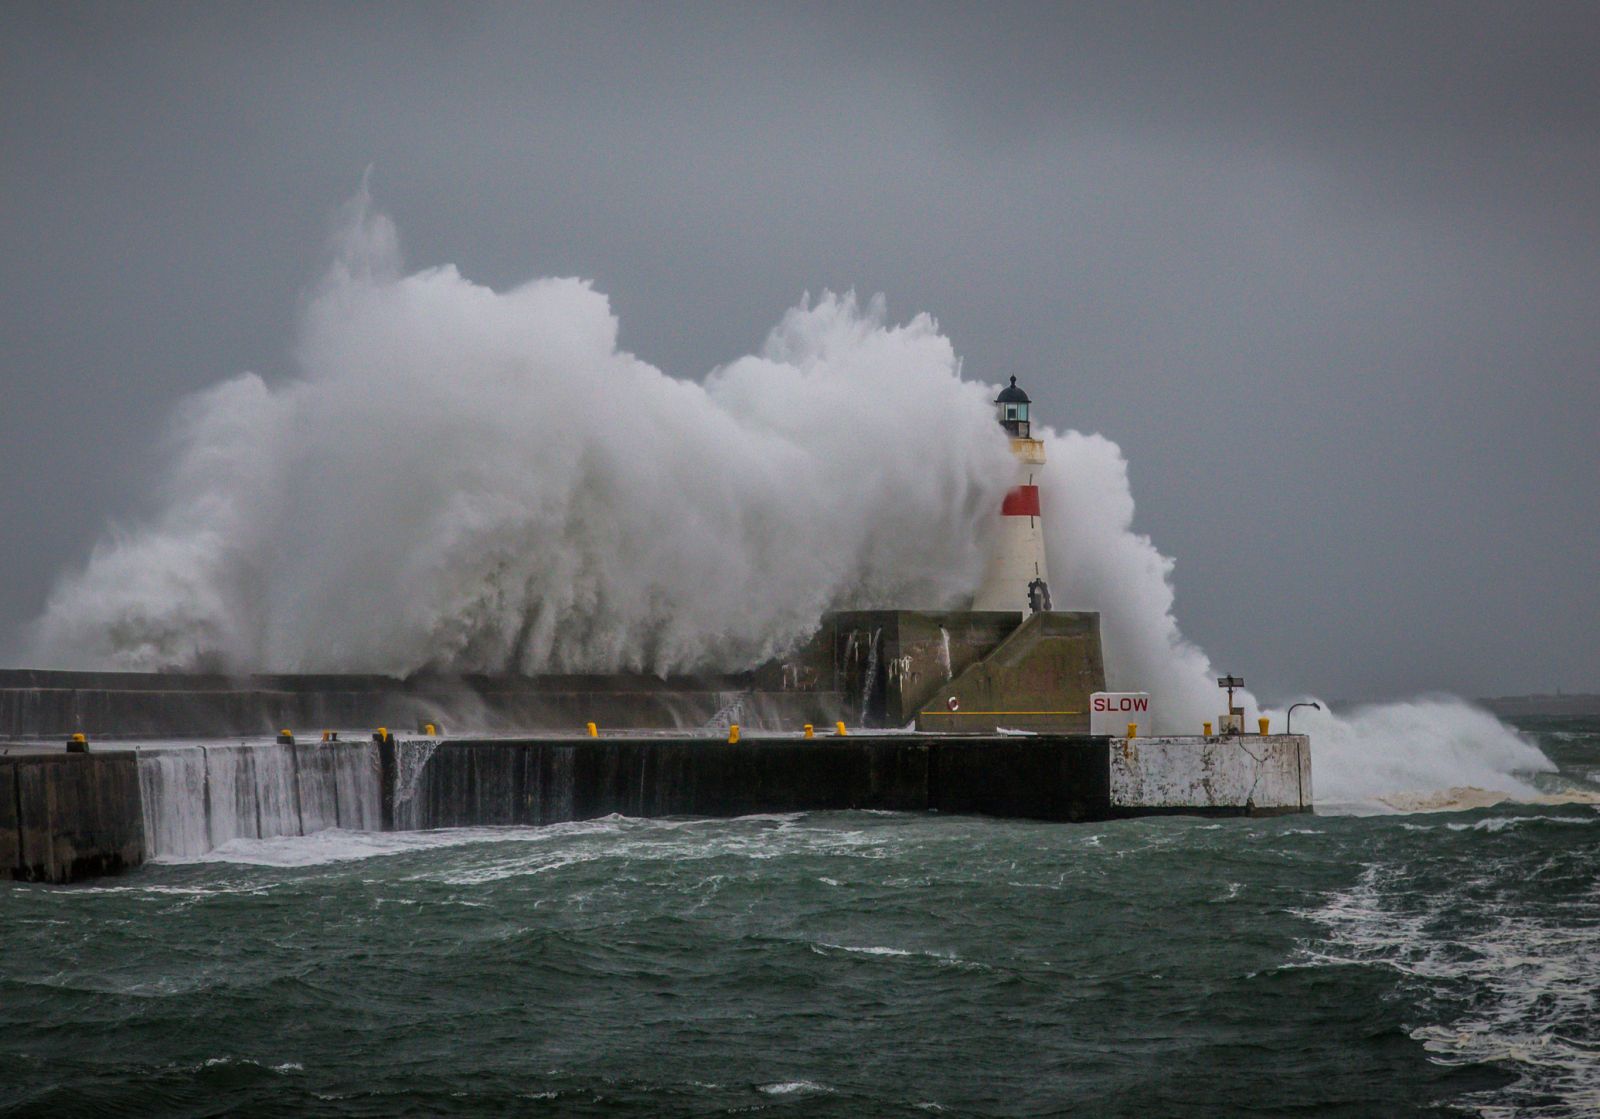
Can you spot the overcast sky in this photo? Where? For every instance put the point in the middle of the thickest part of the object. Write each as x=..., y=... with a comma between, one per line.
x=1329, y=274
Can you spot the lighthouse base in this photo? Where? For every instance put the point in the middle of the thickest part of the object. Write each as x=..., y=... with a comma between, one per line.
x=955, y=671
x=1038, y=679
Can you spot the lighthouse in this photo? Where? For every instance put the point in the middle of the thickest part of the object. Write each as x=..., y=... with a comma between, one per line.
x=1017, y=578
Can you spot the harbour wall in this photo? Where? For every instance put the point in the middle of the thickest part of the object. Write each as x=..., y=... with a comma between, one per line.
x=971, y=672
x=1042, y=777
x=66, y=816
x=534, y=781
x=1256, y=774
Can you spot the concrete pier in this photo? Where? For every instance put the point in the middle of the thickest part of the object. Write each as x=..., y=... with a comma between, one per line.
x=1256, y=775
x=999, y=704
x=65, y=817
x=1045, y=777
x=546, y=781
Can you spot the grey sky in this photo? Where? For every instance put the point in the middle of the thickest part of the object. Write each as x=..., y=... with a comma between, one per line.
x=1330, y=274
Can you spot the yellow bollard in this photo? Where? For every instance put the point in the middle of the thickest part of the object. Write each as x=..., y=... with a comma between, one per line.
x=286, y=737
x=733, y=732
x=430, y=730
x=594, y=731
x=1207, y=731
x=838, y=730
x=1133, y=729
x=78, y=744
x=810, y=731
x=1263, y=721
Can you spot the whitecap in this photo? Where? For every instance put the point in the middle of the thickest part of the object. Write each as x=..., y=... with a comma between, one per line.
x=792, y=1088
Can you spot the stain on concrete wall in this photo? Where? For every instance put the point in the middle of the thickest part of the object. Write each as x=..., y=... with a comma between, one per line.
x=1262, y=773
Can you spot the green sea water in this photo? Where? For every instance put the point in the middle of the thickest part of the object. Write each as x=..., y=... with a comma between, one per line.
x=851, y=964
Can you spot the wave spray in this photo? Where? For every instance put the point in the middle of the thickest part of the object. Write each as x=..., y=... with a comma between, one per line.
x=472, y=480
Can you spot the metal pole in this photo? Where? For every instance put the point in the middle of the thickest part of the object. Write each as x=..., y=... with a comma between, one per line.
x=1287, y=726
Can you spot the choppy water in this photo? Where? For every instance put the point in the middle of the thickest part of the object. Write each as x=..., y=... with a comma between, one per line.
x=832, y=964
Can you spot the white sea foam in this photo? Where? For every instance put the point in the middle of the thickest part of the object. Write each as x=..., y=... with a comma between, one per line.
x=792, y=1088
x=941, y=959
x=482, y=480
x=515, y=851
x=336, y=846
x=1415, y=747
x=1533, y=995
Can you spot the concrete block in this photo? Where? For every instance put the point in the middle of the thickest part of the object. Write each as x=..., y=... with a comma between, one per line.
x=1259, y=774
x=1039, y=679
x=78, y=816
x=10, y=838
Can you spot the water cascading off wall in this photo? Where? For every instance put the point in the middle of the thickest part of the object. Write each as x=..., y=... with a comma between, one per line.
x=197, y=798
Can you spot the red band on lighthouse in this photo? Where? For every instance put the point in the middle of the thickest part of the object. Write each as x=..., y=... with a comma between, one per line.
x=1021, y=502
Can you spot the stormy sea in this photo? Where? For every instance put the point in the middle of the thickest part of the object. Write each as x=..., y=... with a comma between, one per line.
x=1363, y=961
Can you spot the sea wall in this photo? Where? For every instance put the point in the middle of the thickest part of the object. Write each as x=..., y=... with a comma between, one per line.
x=196, y=798
x=1254, y=774
x=1039, y=678
x=886, y=663
x=534, y=781
x=64, y=817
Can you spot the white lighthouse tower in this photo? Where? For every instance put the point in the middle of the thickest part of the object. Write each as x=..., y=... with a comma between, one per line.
x=1017, y=578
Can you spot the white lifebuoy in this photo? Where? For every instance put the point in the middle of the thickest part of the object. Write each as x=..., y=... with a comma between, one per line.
x=953, y=703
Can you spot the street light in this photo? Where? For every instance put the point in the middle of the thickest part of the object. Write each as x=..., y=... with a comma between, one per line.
x=1287, y=719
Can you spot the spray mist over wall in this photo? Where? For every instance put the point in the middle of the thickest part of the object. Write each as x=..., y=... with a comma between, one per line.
x=475, y=480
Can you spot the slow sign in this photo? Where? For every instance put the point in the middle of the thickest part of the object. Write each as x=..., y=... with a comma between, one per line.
x=1111, y=712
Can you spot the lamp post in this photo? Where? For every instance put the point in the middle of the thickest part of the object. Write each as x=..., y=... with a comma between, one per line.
x=1288, y=718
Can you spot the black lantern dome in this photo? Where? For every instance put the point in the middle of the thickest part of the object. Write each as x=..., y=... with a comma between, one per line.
x=1011, y=407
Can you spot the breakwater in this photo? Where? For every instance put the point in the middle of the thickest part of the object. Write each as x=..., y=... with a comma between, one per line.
x=457, y=784
x=67, y=816
x=950, y=671
x=197, y=798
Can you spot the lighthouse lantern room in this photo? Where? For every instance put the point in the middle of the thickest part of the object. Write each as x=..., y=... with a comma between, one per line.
x=1012, y=406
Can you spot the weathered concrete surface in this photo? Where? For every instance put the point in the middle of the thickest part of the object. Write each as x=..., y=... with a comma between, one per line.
x=10, y=835
x=1040, y=678
x=1048, y=777
x=883, y=664
x=474, y=783
x=1258, y=774
x=72, y=816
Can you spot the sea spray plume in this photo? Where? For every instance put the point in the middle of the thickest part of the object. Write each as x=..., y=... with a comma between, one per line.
x=481, y=480
x=1100, y=563
x=472, y=479
x=178, y=592
x=1416, y=746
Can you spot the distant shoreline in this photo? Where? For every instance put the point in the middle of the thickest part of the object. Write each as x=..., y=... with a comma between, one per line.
x=1579, y=703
